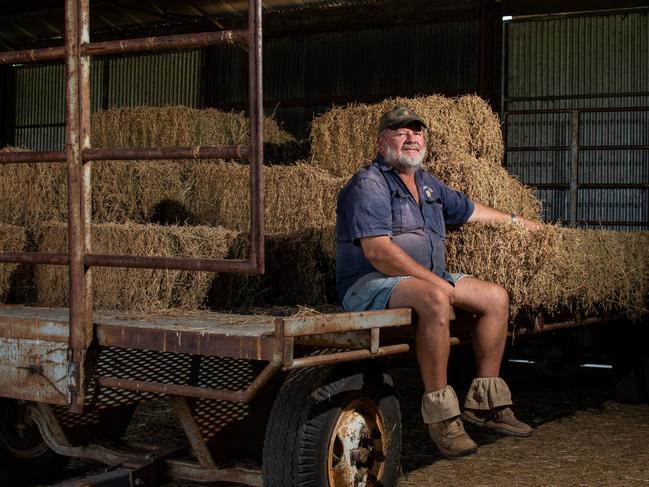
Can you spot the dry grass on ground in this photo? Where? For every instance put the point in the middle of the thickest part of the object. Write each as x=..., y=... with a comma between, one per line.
x=592, y=447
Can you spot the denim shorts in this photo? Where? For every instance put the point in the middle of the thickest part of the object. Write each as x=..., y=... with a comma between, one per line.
x=373, y=290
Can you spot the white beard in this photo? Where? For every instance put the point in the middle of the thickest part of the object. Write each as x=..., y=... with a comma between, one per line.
x=402, y=162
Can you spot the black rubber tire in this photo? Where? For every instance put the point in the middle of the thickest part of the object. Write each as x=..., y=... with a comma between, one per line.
x=24, y=457
x=302, y=430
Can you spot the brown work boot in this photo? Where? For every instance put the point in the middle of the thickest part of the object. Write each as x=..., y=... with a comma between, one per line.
x=451, y=439
x=499, y=420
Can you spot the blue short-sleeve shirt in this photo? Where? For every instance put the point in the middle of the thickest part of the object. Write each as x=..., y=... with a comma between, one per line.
x=376, y=202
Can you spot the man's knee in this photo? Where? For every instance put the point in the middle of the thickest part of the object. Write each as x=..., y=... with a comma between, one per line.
x=435, y=303
x=499, y=296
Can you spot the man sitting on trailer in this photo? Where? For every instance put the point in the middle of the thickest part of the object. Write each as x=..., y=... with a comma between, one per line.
x=390, y=231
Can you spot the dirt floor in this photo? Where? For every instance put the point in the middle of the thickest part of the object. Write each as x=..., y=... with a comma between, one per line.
x=582, y=436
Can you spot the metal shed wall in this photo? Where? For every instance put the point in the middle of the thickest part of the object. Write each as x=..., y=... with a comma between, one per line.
x=148, y=80
x=304, y=75
x=593, y=70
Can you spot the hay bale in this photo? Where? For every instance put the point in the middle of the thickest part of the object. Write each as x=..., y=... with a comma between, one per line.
x=176, y=126
x=137, y=191
x=344, y=138
x=556, y=269
x=296, y=197
x=486, y=183
x=464, y=144
x=485, y=134
x=32, y=192
x=135, y=289
x=299, y=271
x=12, y=239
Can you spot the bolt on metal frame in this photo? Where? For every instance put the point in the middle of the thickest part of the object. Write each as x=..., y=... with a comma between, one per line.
x=78, y=154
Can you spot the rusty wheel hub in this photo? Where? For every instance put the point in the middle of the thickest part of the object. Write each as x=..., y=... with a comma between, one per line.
x=357, y=445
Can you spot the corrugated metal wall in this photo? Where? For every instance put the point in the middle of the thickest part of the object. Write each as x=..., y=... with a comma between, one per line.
x=595, y=64
x=154, y=80
x=304, y=74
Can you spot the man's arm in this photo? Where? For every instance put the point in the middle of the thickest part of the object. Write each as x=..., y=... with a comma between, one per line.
x=483, y=213
x=390, y=259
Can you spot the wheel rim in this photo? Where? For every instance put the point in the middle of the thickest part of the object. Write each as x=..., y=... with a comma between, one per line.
x=19, y=437
x=356, y=452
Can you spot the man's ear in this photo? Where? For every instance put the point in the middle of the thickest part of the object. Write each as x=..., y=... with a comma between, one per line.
x=380, y=143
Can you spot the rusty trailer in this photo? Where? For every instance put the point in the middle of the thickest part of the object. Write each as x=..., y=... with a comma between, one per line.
x=309, y=387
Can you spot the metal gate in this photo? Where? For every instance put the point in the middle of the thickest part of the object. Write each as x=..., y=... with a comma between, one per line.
x=79, y=156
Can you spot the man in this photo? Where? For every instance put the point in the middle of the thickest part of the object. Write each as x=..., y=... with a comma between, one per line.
x=390, y=231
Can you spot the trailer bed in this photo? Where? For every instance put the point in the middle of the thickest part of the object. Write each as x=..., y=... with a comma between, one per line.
x=34, y=358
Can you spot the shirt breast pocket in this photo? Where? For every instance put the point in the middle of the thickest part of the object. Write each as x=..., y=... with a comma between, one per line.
x=405, y=214
x=434, y=216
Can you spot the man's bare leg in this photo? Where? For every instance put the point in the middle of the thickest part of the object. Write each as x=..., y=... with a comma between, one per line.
x=440, y=407
x=432, y=336
x=488, y=400
x=490, y=303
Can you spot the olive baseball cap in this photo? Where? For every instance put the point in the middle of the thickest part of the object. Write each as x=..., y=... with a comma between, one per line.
x=399, y=117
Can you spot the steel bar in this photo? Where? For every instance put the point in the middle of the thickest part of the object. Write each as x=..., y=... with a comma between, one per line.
x=242, y=395
x=161, y=43
x=582, y=147
x=256, y=117
x=33, y=55
x=546, y=327
x=176, y=263
x=135, y=153
x=538, y=148
x=334, y=358
x=34, y=258
x=582, y=97
x=180, y=41
x=351, y=321
x=182, y=469
x=146, y=153
x=192, y=431
x=56, y=440
x=574, y=166
x=32, y=156
x=590, y=185
x=76, y=139
x=614, y=147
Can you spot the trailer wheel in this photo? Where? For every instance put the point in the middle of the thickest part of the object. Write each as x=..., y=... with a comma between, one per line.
x=333, y=428
x=24, y=457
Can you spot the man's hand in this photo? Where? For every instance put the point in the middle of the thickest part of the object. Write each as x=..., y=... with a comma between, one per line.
x=529, y=224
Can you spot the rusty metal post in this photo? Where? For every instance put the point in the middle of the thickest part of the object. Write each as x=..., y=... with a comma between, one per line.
x=79, y=214
x=256, y=108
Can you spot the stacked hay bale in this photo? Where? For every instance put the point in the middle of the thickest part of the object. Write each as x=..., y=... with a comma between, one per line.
x=557, y=269
x=299, y=216
x=545, y=272
x=32, y=192
x=12, y=239
x=135, y=289
x=128, y=196
x=464, y=144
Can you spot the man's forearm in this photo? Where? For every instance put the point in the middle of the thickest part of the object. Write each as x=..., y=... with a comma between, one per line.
x=483, y=213
x=388, y=258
